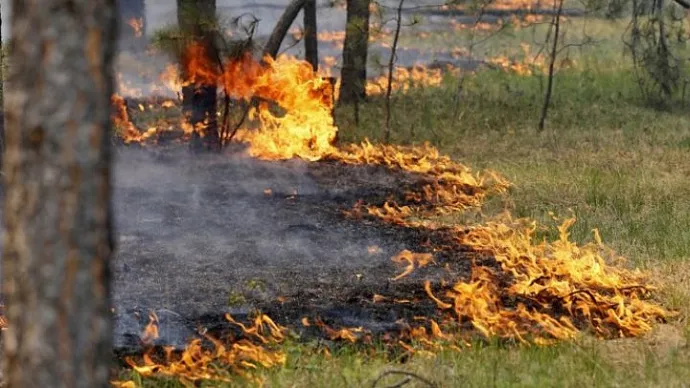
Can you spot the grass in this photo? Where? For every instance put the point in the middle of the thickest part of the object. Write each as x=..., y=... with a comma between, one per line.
x=607, y=158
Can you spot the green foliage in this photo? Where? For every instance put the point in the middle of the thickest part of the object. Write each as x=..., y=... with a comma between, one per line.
x=657, y=40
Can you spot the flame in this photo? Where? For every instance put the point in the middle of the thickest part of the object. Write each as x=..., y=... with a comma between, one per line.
x=137, y=25
x=405, y=79
x=413, y=260
x=196, y=362
x=350, y=335
x=151, y=331
x=305, y=130
x=517, y=289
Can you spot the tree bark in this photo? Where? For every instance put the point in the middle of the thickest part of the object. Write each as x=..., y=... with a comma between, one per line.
x=354, y=72
x=196, y=19
x=2, y=93
x=311, y=42
x=57, y=242
x=280, y=30
x=132, y=25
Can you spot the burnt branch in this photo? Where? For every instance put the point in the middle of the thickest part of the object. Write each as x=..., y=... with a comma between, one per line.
x=409, y=376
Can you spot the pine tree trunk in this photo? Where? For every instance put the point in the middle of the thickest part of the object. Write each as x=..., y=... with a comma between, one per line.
x=2, y=94
x=311, y=43
x=132, y=24
x=354, y=72
x=196, y=19
x=57, y=244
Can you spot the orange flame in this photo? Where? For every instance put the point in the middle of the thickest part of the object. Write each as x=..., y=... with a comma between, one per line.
x=137, y=25
x=413, y=259
x=198, y=363
x=527, y=292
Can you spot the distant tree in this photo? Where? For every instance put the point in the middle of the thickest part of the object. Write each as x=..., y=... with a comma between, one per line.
x=197, y=21
x=354, y=72
x=57, y=242
x=132, y=24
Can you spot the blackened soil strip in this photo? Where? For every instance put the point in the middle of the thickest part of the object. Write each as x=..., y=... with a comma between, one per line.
x=205, y=235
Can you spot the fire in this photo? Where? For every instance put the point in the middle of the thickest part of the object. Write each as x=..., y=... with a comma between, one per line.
x=406, y=79
x=518, y=289
x=196, y=362
x=137, y=25
x=351, y=335
x=413, y=260
x=305, y=129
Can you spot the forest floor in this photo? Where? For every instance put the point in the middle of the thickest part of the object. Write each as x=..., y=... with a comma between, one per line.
x=606, y=157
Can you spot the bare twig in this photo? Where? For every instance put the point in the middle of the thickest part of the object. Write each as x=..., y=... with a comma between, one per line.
x=409, y=375
x=391, y=63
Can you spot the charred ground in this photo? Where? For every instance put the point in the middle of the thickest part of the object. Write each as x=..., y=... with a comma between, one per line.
x=202, y=236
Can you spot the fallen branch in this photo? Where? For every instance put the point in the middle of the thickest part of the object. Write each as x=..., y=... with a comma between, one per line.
x=409, y=376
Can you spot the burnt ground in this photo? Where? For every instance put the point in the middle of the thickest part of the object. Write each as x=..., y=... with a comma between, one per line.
x=198, y=237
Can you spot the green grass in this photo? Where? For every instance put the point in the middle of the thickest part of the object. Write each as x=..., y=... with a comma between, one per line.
x=606, y=157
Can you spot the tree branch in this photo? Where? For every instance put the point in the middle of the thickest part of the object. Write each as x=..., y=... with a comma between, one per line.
x=282, y=27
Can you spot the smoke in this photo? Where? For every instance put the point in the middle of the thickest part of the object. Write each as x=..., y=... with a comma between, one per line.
x=201, y=235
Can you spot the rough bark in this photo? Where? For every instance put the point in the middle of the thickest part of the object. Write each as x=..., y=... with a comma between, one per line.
x=311, y=42
x=196, y=19
x=57, y=241
x=280, y=30
x=132, y=24
x=354, y=72
x=2, y=94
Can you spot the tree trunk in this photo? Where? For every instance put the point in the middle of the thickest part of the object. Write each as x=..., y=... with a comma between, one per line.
x=132, y=25
x=196, y=19
x=280, y=30
x=57, y=242
x=311, y=42
x=2, y=94
x=354, y=72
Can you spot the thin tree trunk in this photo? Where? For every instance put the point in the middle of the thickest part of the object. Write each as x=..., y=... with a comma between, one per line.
x=58, y=242
x=132, y=24
x=311, y=42
x=196, y=18
x=280, y=30
x=2, y=93
x=391, y=63
x=556, y=23
x=354, y=72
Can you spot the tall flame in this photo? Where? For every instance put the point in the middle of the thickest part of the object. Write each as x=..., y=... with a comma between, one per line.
x=303, y=129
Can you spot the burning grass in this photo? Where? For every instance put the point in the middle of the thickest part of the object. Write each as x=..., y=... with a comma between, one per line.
x=221, y=362
x=521, y=289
